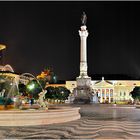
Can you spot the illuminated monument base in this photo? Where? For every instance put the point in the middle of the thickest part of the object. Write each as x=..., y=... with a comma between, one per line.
x=82, y=92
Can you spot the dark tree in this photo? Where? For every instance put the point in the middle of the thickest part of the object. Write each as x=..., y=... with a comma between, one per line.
x=135, y=93
x=59, y=93
x=50, y=92
x=22, y=89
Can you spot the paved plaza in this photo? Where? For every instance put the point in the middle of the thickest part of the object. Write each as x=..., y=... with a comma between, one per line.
x=97, y=122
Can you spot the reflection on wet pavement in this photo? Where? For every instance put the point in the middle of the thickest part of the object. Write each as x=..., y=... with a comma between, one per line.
x=97, y=122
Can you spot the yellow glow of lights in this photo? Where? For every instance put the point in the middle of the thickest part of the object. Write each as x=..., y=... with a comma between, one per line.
x=2, y=47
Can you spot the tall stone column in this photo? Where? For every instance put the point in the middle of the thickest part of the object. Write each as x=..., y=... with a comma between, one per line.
x=109, y=97
x=83, y=81
x=83, y=51
x=83, y=91
x=105, y=94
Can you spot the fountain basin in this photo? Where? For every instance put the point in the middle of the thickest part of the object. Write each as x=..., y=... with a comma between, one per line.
x=137, y=106
x=38, y=117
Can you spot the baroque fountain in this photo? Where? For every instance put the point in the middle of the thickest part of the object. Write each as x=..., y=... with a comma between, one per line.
x=13, y=111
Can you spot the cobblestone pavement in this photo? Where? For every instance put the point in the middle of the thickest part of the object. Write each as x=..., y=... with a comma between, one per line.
x=97, y=122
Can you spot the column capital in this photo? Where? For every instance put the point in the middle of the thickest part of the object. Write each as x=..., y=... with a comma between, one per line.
x=83, y=32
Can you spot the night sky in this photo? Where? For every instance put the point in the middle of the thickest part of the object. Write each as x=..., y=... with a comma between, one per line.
x=39, y=34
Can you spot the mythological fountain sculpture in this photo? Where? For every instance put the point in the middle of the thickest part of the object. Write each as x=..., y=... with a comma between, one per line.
x=13, y=114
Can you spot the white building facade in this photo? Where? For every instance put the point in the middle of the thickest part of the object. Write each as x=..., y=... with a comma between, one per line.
x=110, y=91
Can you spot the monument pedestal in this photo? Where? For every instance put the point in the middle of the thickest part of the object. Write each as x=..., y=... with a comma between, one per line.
x=82, y=92
x=81, y=96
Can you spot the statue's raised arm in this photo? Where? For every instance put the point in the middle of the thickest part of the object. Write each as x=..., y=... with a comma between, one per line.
x=84, y=18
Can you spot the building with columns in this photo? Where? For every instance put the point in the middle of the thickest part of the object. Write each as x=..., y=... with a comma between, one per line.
x=110, y=91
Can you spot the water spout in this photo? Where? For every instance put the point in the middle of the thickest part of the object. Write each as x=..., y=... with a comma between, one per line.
x=41, y=94
x=29, y=74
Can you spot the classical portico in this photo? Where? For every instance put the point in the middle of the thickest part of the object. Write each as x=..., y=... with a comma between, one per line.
x=105, y=90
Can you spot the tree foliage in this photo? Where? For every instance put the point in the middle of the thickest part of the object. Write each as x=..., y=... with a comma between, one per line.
x=22, y=89
x=58, y=93
x=33, y=92
x=47, y=75
x=135, y=93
